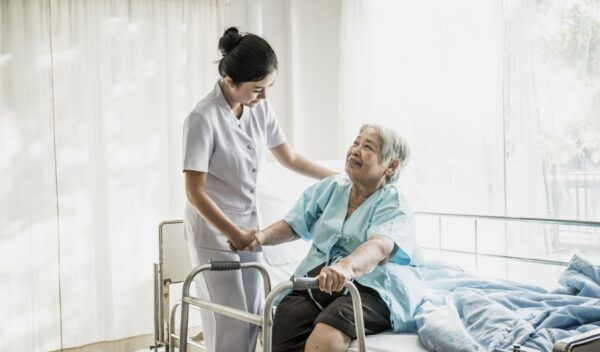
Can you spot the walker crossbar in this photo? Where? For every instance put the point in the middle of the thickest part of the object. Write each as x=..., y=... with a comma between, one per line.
x=267, y=319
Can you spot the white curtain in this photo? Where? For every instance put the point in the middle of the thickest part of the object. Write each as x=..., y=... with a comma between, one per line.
x=552, y=96
x=92, y=100
x=499, y=100
x=431, y=69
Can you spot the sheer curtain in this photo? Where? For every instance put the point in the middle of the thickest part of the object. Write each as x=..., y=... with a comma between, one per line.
x=499, y=99
x=29, y=263
x=431, y=69
x=92, y=101
x=552, y=96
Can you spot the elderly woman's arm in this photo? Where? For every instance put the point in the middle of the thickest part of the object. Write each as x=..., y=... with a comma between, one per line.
x=277, y=233
x=363, y=260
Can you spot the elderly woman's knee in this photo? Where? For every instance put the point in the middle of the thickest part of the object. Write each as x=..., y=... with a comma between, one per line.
x=327, y=338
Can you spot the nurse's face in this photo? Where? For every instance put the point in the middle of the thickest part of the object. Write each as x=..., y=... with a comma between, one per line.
x=364, y=164
x=251, y=93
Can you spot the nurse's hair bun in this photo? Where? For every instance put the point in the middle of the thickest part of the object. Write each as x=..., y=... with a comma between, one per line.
x=229, y=40
x=246, y=57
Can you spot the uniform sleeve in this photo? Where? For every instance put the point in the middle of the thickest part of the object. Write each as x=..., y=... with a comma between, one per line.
x=275, y=135
x=310, y=206
x=393, y=219
x=198, y=138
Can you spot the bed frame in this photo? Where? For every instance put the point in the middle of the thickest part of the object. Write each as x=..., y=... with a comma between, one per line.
x=174, y=265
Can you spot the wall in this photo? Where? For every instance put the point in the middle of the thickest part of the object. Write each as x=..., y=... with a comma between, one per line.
x=305, y=36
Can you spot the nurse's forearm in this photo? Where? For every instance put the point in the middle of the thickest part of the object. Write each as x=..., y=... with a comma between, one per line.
x=194, y=188
x=306, y=167
x=277, y=233
x=298, y=163
x=367, y=256
x=210, y=212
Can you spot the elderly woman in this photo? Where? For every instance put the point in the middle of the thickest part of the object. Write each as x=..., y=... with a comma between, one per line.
x=363, y=230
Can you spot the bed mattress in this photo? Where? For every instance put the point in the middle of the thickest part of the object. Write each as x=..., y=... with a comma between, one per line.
x=390, y=342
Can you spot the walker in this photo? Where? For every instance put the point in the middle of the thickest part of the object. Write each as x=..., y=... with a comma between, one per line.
x=266, y=320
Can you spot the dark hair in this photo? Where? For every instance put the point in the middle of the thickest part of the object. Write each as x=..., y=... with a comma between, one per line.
x=246, y=57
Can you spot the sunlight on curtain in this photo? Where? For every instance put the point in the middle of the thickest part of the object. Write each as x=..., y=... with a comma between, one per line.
x=552, y=114
x=28, y=218
x=432, y=70
x=500, y=101
x=126, y=74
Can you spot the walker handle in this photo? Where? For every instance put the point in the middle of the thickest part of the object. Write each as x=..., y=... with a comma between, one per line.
x=224, y=265
x=305, y=283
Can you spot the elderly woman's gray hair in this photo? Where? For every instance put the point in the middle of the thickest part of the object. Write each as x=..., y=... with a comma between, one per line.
x=393, y=146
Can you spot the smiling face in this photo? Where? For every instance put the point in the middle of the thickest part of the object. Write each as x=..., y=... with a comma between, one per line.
x=250, y=93
x=364, y=164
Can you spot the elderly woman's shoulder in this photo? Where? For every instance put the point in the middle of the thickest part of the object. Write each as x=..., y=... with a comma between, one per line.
x=393, y=190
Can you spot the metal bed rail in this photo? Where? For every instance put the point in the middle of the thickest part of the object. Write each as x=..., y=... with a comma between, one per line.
x=476, y=217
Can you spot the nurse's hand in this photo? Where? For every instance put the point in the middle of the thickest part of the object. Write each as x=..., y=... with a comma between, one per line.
x=243, y=239
x=333, y=278
x=256, y=241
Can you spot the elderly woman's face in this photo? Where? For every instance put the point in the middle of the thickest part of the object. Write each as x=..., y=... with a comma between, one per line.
x=363, y=159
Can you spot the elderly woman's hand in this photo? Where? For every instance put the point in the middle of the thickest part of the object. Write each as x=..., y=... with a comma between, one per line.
x=257, y=239
x=333, y=278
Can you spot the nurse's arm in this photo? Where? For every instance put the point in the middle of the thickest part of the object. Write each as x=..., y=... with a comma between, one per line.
x=375, y=251
x=287, y=157
x=195, y=183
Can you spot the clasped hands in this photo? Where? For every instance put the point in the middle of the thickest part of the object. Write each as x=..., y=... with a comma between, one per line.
x=246, y=240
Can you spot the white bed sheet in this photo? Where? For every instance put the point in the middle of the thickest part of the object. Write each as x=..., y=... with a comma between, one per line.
x=390, y=342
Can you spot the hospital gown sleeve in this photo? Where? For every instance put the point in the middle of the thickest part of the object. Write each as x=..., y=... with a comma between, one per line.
x=393, y=218
x=197, y=143
x=310, y=206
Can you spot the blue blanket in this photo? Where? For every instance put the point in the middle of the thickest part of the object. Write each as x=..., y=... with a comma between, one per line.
x=462, y=312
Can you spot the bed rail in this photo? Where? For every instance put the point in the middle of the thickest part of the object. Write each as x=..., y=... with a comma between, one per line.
x=586, y=342
x=514, y=218
x=476, y=217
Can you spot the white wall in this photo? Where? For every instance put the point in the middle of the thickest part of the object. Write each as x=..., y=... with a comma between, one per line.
x=305, y=36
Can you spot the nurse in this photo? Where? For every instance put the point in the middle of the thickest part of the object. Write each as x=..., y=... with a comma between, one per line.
x=224, y=142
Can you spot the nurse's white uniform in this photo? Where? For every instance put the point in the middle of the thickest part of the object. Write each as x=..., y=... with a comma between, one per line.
x=231, y=151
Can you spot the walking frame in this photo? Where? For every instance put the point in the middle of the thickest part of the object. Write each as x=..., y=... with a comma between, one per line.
x=266, y=320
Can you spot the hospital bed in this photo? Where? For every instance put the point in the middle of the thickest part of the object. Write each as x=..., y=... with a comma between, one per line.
x=174, y=265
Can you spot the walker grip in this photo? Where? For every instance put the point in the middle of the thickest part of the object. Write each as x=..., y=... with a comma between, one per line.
x=305, y=283
x=224, y=265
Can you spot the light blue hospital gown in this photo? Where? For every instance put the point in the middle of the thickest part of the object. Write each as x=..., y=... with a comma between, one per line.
x=319, y=215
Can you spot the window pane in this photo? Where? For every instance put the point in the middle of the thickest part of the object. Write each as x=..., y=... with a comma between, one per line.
x=552, y=108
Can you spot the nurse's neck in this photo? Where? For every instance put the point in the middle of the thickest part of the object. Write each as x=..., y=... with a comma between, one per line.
x=236, y=107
